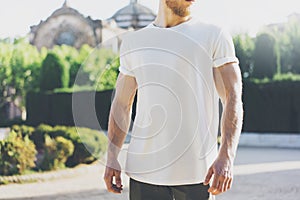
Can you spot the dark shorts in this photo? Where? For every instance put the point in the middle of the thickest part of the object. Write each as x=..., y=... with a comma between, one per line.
x=144, y=191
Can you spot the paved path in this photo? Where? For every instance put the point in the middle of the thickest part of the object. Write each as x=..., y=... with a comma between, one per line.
x=260, y=173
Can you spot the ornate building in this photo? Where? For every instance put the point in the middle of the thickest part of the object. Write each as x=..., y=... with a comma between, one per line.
x=67, y=26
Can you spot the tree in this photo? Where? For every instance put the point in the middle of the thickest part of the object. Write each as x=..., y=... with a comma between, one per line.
x=265, y=56
x=99, y=70
x=54, y=73
x=19, y=71
x=75, y=65
x=244, y=47
x=293, y=33
x=5, y=75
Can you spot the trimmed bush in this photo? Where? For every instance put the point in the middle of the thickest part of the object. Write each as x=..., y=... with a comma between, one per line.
x=92, y=145
x=244, y=48
x=57, y=151
x=54, y=73
x=17, y=154
x=88, y=145
x=23, y=130
x=38, y=136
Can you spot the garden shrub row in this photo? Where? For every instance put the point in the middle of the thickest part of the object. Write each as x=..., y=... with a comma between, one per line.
x=49, y=148
x=272, y=107
x=57, y=108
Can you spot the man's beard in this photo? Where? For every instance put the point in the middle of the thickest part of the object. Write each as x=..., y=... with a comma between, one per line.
x=177, y=9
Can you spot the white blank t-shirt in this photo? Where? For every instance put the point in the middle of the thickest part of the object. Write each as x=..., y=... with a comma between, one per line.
x=174, y=135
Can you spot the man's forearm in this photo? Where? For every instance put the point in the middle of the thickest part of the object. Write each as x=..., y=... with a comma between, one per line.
x=231, y=126
x=119, y=121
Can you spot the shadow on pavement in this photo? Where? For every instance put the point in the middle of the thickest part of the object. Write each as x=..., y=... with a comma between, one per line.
x=84, y=195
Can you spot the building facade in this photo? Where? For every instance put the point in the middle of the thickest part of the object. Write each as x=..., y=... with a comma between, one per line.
x=69, y=27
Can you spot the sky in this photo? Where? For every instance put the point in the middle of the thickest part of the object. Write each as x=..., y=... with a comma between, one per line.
x=16, y=16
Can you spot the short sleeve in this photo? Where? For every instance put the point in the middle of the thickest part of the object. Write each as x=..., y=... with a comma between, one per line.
x=125, y=64
x=224, y=51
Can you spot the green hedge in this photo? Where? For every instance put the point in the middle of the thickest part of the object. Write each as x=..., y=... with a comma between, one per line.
x=56, y=108
x=52, y=109
x=272, y=107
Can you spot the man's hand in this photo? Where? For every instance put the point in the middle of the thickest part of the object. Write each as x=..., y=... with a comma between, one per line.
x=119, y=121
x=221, y=170
x=112, y=177
x=228, y=82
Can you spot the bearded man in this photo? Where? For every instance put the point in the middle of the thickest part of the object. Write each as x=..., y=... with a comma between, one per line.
x=180, y=68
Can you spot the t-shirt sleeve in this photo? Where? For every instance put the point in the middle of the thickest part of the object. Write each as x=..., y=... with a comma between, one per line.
x=125, y=64
x=224, y=51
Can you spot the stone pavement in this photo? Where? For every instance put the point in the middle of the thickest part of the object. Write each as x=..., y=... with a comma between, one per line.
x=260, y=173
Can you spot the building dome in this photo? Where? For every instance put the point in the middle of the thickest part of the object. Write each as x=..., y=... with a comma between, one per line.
x=133, y=16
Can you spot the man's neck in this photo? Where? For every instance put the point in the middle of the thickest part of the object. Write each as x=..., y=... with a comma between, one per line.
x=166, y=18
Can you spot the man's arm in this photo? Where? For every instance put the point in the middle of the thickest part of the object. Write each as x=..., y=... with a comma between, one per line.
x=228, y=82
x=119, y=122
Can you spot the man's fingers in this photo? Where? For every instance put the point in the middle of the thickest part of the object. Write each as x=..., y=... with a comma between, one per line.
x=222, y=176
x=219, y=185
x=116, y=189
x=223, y=184
x=229, y=184
x=108, y=182
x=118, y=178
x=214, y=185
x=217, y=191
x=208, y=176
x=113, y=188
x=108, y=178
x=226, y=184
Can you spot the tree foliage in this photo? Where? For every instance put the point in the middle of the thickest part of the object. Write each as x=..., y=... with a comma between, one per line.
x=54, y=73
x=275, y=53
x=293, y=33
x=244, y=46
x=265, y=56
x=21, y=70
x=287, y=37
